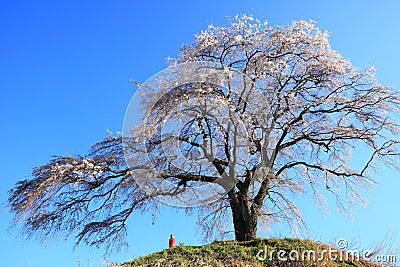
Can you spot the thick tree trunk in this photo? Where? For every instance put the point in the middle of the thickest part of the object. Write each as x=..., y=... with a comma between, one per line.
x=244, y=221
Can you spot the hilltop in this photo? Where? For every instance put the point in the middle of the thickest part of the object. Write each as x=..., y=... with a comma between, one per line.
x=243, y=254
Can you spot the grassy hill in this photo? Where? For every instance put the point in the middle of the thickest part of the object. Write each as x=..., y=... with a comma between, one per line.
x=243, y=254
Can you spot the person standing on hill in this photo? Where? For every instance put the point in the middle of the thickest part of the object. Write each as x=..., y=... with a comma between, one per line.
x=171, y=241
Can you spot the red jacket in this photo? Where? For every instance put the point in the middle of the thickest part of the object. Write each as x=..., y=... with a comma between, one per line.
x=171, y=241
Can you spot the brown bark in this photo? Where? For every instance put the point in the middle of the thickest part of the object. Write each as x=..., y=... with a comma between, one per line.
x=244, y=221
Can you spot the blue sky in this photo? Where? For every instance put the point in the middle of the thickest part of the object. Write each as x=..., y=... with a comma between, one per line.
x=65, y=68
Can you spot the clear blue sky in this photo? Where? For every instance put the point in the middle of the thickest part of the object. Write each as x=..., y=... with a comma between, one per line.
x=65, y=68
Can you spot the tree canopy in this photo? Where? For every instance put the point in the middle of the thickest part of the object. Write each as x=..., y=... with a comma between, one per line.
x=277, y=113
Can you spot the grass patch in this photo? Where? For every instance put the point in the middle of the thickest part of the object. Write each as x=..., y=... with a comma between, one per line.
x=243, y=254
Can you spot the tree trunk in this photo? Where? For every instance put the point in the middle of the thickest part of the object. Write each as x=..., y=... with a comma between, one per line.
x=244, y=221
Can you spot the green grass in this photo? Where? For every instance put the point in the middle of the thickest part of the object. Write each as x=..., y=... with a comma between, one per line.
x=243, y=254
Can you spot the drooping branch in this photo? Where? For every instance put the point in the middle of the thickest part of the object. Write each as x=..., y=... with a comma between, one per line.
x=93, y=196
